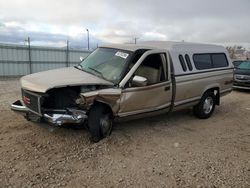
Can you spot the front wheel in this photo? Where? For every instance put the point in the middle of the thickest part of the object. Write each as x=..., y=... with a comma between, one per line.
x=206, y=106
x=100, y=122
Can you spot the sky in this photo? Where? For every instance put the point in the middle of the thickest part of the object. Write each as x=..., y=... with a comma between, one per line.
x=52, y=23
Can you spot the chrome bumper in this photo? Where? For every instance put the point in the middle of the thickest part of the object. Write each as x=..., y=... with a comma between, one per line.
x=19, y=107
x=54, y=117
x=241, y=87
x=69, y=116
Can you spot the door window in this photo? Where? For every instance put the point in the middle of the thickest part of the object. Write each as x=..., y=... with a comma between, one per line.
x=152, y=68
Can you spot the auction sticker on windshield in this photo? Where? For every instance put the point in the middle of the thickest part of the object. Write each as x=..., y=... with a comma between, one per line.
x=121, y=54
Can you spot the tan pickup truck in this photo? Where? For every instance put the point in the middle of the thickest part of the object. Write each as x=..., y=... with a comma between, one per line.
x=129, y=81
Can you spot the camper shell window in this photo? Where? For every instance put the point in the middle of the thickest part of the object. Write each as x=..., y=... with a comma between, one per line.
x=210, y=60
x=182, y=62
x=190, y=67
x=202, y=61
x=219, y=60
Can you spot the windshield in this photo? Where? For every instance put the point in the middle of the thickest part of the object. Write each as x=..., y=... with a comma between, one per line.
x=237, y=63
x=106, y=63
x=244, y=65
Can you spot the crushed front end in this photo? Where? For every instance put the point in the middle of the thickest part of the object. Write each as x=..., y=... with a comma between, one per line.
x=57, y=107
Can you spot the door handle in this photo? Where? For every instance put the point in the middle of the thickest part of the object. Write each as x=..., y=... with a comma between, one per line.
x=167, y=88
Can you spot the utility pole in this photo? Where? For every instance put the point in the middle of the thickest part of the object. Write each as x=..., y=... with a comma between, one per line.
x=88, y=37
x=136, y=39
x=67, y=54
x=29, y=52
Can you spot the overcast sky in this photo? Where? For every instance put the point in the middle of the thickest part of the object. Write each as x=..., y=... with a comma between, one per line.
x=51, y=22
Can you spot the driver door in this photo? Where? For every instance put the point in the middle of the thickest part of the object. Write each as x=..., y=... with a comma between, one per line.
x=157, y=92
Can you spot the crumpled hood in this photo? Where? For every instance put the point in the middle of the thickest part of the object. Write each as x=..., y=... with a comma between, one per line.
x=70, y=76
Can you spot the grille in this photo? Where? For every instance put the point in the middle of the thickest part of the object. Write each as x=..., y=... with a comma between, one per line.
x=31, y=101
x=242, y=77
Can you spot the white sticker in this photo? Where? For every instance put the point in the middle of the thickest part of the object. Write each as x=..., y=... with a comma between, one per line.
x=121, y=54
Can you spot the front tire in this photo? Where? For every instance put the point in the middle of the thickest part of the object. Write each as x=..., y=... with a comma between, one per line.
x=206, y=106
x=100, y=122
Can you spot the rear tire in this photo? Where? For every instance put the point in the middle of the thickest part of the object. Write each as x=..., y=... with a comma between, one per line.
x=100, y=122
x=206, y=106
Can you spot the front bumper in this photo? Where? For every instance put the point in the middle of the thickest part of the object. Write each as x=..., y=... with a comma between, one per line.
x=241, y=84
x=240, y=87
x=19, y=107
x=54, y=117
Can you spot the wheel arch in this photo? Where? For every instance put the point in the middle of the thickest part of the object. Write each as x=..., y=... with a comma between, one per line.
x=216, y=90
x=106, y=105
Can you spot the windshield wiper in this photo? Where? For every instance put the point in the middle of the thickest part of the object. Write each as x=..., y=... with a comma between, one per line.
x=79, y=66
x=100, y=73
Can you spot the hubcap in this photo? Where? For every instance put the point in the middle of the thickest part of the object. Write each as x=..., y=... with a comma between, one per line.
x=106, y=125
x=208, y=105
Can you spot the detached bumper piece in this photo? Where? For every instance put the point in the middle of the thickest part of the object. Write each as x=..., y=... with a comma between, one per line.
x=54, y=117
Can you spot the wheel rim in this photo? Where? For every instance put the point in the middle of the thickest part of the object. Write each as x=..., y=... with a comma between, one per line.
x=208, y=105
x=106, y=125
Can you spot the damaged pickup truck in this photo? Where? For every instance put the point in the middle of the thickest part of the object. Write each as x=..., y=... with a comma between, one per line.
x=128, y=81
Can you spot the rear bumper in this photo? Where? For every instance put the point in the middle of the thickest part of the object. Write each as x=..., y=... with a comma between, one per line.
x=54, y=117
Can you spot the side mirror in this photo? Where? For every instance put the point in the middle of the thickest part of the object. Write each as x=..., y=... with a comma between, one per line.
x=139, y=81
x=81, y=58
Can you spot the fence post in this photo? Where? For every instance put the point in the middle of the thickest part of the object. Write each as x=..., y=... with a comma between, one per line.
x=29, y=51
x=67, y=54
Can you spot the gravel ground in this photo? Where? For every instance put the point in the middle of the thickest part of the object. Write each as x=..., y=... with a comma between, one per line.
x=174, y=150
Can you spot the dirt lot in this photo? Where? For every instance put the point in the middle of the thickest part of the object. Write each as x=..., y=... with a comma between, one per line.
x=175, y=150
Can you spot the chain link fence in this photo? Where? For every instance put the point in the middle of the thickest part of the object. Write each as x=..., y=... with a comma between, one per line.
x=18, y=60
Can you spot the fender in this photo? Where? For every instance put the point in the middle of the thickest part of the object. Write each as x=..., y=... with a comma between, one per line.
x=110, y=96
